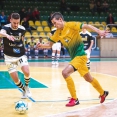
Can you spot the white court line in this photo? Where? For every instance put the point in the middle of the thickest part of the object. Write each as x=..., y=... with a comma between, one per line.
x=77, y=110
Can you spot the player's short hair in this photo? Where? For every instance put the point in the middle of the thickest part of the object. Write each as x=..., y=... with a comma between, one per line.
x=32, y=37
x=15, y=16
x=57, y=15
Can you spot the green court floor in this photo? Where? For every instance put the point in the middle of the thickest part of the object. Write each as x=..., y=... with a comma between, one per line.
x=7, y=83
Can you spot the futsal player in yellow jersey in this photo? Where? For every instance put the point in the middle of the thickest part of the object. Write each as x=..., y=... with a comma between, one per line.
x=68, y=34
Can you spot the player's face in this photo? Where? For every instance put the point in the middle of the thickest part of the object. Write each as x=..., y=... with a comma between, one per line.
x=14, y=23
x=59, y=24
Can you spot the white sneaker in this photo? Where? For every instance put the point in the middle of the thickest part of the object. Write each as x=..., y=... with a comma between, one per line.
x=56, y=62
x=53, y=63
x=28, y=93
x=24, y=95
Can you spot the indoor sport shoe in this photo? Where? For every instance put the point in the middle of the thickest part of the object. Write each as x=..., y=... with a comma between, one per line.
x=53, y=63
x=24, y=95
x=102, y=98
x=28, y=93
x=56, y=62
x=72, y=102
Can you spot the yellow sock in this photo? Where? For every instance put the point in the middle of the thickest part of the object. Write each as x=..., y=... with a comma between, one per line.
x=71, y=87
x=97, y=86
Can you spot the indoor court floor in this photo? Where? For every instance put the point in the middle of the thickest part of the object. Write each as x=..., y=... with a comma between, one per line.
x=50, y=93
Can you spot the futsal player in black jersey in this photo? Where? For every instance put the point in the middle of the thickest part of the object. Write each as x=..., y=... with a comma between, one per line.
x=14, y=52
x=88, y=43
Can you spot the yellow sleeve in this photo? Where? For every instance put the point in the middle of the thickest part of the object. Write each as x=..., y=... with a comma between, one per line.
x=55, y=37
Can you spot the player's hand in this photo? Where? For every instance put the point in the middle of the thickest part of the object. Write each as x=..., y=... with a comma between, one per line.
x=10, y=37
x=103, y=33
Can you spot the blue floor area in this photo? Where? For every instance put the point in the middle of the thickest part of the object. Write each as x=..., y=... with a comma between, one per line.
x=7, y=83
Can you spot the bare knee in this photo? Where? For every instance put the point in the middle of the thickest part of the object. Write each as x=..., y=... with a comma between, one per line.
x=25, y=70
x=65, y=73
x=26, y=73
x=88, y=80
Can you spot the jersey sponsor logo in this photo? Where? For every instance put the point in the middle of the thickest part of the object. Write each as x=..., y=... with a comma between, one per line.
x=17, y=51
x=67, y=40
x=11, y=44
x=19, y=45
x=15, y=44
x=85, y=38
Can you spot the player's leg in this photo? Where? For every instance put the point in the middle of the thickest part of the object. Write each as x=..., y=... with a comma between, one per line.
x=58, y=45
x=45, y=51
x=75, y=64
x=88, y=61
x=97, y=86
x=29, y=53
x=87, y=76
x=70, y=84
x=53, y=53
x=12, y=69
x=36, y=53
x=63, y=52
x=25, y=69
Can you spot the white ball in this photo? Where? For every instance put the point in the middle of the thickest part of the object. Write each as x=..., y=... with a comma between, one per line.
x=21, y=106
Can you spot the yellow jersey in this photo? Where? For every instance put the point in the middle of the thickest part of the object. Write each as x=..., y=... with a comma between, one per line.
x=70, y=38
x=32, y=44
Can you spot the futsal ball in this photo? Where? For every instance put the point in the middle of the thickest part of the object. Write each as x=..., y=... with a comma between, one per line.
x=21, y=107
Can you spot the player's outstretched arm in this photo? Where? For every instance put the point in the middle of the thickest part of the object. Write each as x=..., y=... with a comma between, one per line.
x=47, y=45
x=100, y=32
x=4, y=34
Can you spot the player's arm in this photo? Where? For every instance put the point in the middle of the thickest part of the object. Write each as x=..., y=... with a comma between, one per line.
x=47, y=45
x=91, y=45
x=91, y=41
x=50, y=43
x=100, y=32
x=4, y=34
x=44, y=45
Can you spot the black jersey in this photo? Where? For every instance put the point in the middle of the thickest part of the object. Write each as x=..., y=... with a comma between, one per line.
x=86, y=37
x=14, y=48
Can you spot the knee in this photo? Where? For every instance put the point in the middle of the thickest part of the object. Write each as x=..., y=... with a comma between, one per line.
x=64, y=73
x=26, y=73
x=89, y=79
x=86, y=79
